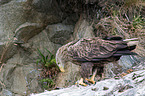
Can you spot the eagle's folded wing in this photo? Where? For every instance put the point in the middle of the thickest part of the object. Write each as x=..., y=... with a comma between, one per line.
x=97, y=49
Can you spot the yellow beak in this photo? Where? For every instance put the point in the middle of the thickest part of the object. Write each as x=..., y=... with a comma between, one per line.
x=61, y=68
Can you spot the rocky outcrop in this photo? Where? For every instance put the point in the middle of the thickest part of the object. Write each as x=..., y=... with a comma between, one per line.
x=24, y=28
x=26, y=31
x=129, y=85
x=83, y=29
x=11, y=16
x=59, y=33
x=21, y=69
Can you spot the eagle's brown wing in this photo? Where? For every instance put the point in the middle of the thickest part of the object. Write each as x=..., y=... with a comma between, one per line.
x=95, y=49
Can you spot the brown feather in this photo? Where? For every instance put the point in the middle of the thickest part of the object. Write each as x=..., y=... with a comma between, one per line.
x=94, y=48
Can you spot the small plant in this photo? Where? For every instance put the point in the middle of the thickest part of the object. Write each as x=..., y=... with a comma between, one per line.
x=47, y=83
x=48, y=62
x=49, y=69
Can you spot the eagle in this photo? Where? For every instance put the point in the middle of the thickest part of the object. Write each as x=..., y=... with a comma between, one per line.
x=93, y=53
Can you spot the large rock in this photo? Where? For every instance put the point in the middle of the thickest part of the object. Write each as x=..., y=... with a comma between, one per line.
x=69, y=77
x=26, y=31
x=7, y=51
x=121, y=66
x=24, y=20
x=11, y=16
x=18, y=12
x=83, y=29
x=4, y=1
x=46, y=6
x=130, y=85
x=47, y=11
x=19, y=74
x=59, y=33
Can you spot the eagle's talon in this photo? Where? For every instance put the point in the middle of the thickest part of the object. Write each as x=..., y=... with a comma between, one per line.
x=129, y=71
x=80, y=82
x=90, y=80
x=83, y=84
x=123, y=74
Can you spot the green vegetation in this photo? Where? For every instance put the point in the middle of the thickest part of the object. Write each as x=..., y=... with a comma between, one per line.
x=49, y=69
x=48, y=62
x=47, y=83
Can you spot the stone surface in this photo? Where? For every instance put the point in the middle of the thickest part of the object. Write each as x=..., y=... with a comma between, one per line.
x=70, y=20
x=41, y=41
x=83, y=29
x=7, y=51
x=46, y=6
x=69, y=77
x=16, y=78
x=26, y=31
x=24, y=20
x=130, y=85
x=17, y=12
x=11, y=16
x=47, y=11
x=59, y=33
x=20, y=74
x=18, y=81
x=4, y=1
x=6, y=93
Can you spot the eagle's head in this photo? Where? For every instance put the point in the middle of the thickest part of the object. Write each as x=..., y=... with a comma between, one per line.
x=60, y=64
x=60, y=58
x=63, y=56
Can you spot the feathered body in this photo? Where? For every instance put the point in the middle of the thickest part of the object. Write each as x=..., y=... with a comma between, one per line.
x=93, y=52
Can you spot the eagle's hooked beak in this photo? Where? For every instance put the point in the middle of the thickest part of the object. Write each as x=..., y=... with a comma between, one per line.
x=61, y=68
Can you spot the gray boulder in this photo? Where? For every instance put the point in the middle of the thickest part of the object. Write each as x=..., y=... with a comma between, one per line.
x=59, y=33
x=130, y=85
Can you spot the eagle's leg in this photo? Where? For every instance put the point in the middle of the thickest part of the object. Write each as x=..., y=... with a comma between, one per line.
x=86, y=71
x=93, y=77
